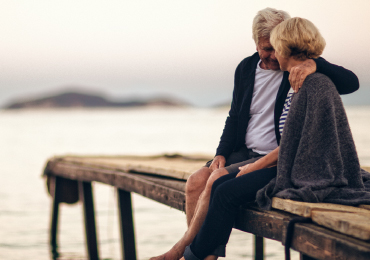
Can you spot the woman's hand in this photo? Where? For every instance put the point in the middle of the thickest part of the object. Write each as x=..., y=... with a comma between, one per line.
x=245, y=169
x=267, y=161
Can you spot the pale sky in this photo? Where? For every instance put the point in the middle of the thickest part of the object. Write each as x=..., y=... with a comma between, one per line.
x=188, y=49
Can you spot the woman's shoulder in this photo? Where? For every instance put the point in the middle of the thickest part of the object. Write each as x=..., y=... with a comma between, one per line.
x=318, y=78
x=316, y=81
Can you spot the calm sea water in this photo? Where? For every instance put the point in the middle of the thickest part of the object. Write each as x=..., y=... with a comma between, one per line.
x=29, y=138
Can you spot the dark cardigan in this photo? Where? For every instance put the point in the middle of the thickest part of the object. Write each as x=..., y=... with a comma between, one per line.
x=233, y=136
x=317, y=157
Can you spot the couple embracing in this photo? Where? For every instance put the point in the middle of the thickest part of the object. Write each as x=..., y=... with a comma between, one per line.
x=286, y=135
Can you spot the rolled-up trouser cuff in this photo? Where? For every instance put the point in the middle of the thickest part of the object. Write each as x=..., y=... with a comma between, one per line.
x=219, y=251
x=188, y=255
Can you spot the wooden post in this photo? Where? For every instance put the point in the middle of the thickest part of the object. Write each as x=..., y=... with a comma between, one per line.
x=55, y=191
x=86, y=197
x=258, y=248
x=126, y=225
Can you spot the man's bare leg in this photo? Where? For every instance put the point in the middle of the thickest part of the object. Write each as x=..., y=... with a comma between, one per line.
x=178, y=249
x=195, y=185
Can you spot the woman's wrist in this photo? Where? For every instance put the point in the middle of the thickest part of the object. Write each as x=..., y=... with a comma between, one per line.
x=253, y=167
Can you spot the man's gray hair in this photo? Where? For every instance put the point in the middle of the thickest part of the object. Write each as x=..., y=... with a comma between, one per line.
x=265, y=21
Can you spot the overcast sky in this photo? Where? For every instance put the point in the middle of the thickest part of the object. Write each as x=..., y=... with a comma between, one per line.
x=188, y=49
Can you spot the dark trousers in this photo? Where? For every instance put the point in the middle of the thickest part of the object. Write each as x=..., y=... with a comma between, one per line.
x=228, y=194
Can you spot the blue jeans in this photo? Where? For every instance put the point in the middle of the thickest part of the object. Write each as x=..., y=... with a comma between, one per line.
x=228, y=194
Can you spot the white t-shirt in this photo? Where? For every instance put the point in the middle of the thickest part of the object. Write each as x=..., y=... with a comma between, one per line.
x=260, y=136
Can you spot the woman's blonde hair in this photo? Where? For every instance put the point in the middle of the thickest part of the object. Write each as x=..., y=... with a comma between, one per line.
x=297, y=37
x=265, y=21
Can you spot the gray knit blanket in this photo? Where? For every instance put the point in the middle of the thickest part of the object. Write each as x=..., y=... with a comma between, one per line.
x=317, y=159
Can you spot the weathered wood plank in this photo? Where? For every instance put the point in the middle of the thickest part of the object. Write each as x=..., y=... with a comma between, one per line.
x=321, y=243
x=268, y=224
x=353, y=224
x=180, y=167
x=310, y=239
x=166, y=195
x=80, y=173
x=174, y=184
x=305, y=209
x=365, y=206
x=138, y=183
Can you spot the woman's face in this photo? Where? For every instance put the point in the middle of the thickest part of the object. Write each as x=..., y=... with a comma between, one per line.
x=282, y=61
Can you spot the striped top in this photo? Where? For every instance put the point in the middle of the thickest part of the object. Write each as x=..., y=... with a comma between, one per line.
x=286, y=108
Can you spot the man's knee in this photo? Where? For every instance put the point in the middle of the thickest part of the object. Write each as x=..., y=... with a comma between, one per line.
x=215, y=176
x=197, y=181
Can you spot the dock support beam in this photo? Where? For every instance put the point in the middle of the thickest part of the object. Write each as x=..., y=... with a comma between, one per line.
x=126, y=225
x=258, y=248
x=55, y=191
x=86, y=196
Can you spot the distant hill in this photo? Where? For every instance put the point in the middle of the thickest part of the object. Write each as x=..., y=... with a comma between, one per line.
x=74, y=99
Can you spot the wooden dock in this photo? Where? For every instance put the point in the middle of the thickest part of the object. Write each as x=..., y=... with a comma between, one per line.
x=337, y=232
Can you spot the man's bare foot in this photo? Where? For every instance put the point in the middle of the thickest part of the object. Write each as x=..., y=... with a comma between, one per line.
x=170, y=255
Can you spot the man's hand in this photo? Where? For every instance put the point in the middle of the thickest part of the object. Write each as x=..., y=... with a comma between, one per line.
x=299, y=73
x=245, y=169
x=218, y=162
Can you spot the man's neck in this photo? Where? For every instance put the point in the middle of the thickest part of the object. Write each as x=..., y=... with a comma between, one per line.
x=293, y=62
x=264, y=66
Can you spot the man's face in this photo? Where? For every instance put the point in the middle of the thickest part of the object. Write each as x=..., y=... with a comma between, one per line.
x=267, y=54
x=283, y=62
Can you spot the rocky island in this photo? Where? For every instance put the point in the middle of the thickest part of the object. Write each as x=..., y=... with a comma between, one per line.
x=79, y=100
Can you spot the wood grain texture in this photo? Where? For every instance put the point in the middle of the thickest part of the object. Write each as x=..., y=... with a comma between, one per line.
x=269, y=224
x=310, y=239
x=152, y=190
x=321, y=243
x=353, y=224
x=365, y=206
x=304, y=209
x=179, y=167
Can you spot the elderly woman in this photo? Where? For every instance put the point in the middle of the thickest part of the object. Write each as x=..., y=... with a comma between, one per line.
x=317, y=157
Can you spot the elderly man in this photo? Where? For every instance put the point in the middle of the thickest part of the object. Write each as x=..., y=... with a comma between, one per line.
x=251, y=129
